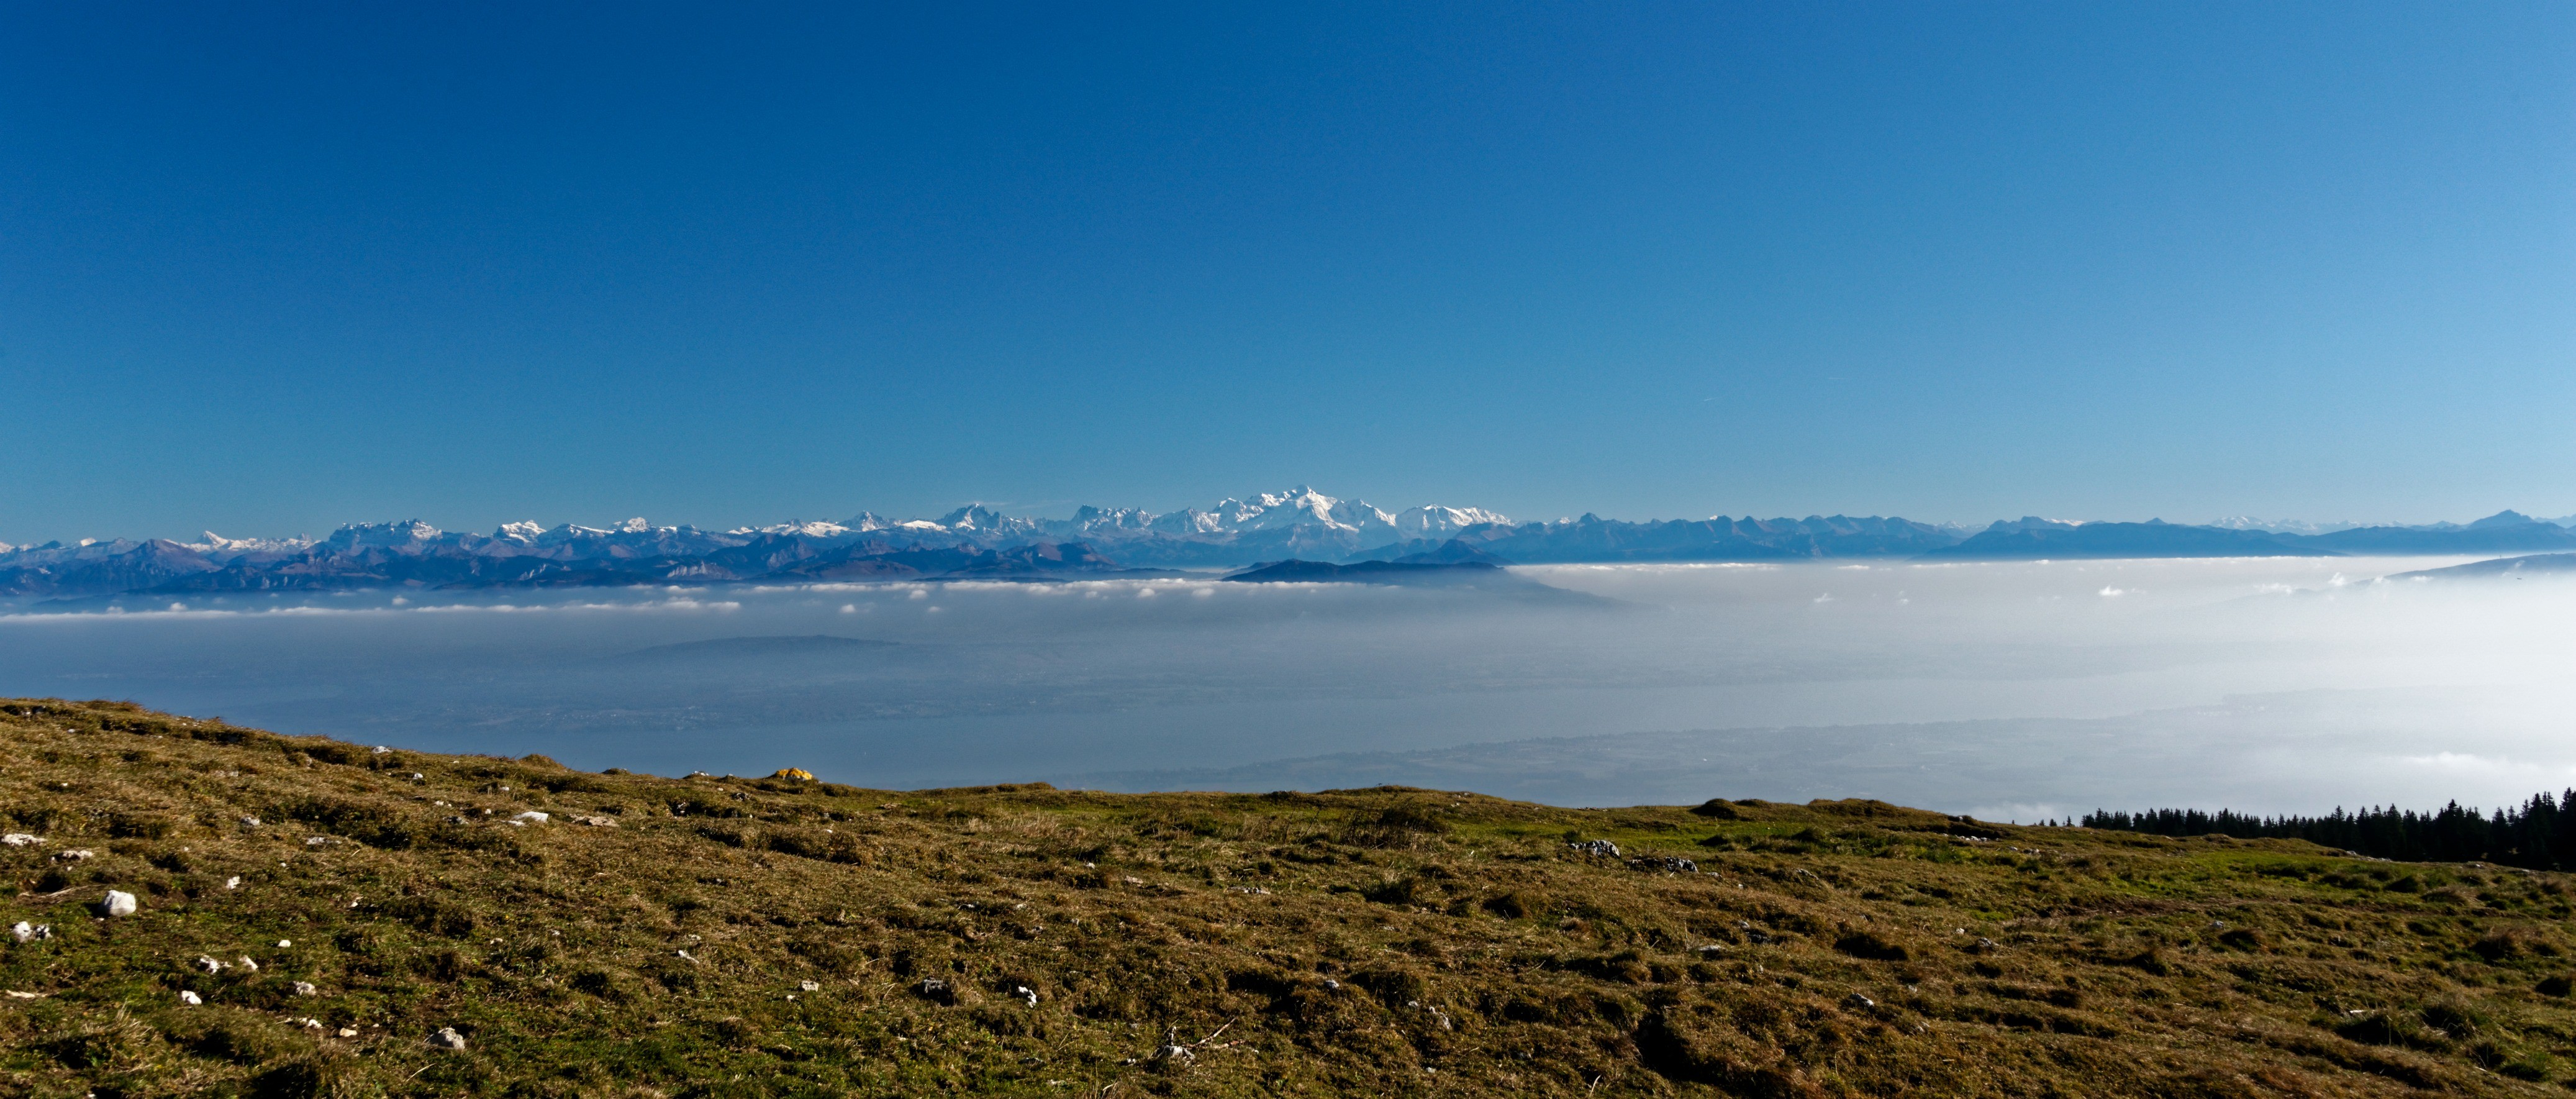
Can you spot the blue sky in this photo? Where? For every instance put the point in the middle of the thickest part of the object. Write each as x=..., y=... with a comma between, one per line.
x=268, y=268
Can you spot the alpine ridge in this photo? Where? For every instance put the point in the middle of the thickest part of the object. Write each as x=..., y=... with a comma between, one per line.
x=1299, y=524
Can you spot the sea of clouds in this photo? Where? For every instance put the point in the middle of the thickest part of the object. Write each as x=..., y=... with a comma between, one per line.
x=2012, y=690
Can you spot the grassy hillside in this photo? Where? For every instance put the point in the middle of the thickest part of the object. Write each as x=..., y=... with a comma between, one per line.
x=724, y=936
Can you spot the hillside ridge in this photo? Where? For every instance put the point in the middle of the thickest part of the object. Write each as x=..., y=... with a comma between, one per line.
x=346, y=917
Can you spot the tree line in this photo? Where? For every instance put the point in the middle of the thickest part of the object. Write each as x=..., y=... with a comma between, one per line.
x=2540, y=834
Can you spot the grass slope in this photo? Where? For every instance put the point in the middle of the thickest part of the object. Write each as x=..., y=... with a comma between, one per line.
x=749, y=937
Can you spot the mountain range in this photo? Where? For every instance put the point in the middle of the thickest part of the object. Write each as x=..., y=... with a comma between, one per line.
x=1268, y=528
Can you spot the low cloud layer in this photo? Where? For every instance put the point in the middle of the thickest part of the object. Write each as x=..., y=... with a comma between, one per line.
x=2005, y=688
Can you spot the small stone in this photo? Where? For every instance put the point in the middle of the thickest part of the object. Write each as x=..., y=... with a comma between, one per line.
x=1332, y=984
x=1596, y=847
x=118, y=903
x=1860, y=1001
x=1030, y=993
x=308, y=1024
x=232, y=882
x=306, y=988
x=531, y=817
x=31, y=933
x=352, y=1032
x=447, y=1038
x=1711, y=950
x=14, y=994
x=284, y=943
x=250, y=822
x=208, y=964
x=190, y=998
x=248, y=966
x=596, y=822
x=317, y=841
x=809, y=986
x=72, y=856
x=1175, y=1052
x=21, y=839
x=381, y=750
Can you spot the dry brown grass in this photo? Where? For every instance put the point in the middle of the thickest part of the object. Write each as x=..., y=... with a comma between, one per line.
x=1396, y=942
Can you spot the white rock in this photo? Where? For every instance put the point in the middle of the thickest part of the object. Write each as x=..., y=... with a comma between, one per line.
x=809, y=986
x=250, y=822
x=349, y=1032
x=232, y=883
x=21, y=839
x=73, y=856
x=248, y=966
x=284, y=943
x=305, y=988
x=447, y=1038
x=119, y=903
x=190, y=998
x=381, y=750
x=208, y=964
x=532, y=817
x=23, y=931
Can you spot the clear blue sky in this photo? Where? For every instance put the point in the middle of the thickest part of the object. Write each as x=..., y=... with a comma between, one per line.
x=266, y=268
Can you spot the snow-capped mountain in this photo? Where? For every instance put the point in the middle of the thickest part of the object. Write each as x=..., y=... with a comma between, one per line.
x=1301, y=506
x=1434, y=521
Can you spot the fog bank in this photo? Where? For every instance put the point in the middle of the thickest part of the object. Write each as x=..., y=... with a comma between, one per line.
x=2006, y=688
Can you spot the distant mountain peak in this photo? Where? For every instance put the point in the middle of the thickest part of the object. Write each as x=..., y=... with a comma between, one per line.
x=2505, y=518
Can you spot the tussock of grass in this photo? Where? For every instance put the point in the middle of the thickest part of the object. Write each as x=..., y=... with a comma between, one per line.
x=728, y=936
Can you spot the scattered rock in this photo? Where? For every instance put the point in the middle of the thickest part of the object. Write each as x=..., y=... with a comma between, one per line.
x=118, y=903
x=250, y=822
x=932, y=988
x=381, y=750
x=1666, y=863
x=284, y=943
x=530, y=817
x=1596, y=847
x=1025, y=991
x=232, y=882
x=306, y=988
x=190, y=998
x=14, y=994
x=1332, y=984
x=73, y=856
x=352, y=1032
x=247, y=965
x=210, y=965
x=596, y=822
x=31, y=933
x=21, y=839
x=1711, y=950
x=447, y=1038
x=308, y=1024
x=809, y=986
x=316, y=841
x=1860, y=1001
x=1175, y=1052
